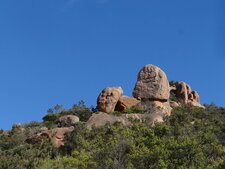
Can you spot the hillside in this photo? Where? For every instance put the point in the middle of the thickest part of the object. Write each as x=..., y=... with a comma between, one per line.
x=162, y=126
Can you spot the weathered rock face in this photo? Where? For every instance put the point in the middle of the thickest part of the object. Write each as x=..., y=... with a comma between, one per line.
x=182, y=92
x=151, y=92
x=185, y=95
x=156, y=109
x=152, y=83
x=194, y=96
x=153, y=89
x=108, y=99
x=56, y=135
x=194, y=99
x=173, y=104
x=126, y=102
x=101, y=119
x=68, y=120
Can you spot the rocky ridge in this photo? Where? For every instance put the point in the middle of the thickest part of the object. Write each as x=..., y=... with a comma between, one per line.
x=151, y=93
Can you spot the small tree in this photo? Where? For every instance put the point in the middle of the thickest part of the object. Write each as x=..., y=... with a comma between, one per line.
x=56, y=109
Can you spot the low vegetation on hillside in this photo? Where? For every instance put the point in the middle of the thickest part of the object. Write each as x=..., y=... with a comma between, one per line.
x=191, y=137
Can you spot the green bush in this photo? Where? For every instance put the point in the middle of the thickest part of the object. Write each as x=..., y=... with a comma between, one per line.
x=33, y=124
x=173, y=83
x=51, y=117
x=117, y=113
x=191, y=137
x=80, y=110
x=173, y=97
x=134, y=109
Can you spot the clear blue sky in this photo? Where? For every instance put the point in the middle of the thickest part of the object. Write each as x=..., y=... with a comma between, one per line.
x=61, y=51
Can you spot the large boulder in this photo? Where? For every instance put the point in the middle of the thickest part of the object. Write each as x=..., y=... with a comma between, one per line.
x=194, y=99
x=153, y=89
x=101, y=119
x=152, y=84
x=126, y=102
x=182, y=92
x=68, y=120
x=108, y=99
x=185, y=95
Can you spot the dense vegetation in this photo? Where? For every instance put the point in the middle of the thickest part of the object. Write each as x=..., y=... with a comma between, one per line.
x=190, y=138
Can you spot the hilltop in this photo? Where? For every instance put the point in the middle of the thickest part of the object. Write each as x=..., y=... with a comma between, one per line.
x=163, y=125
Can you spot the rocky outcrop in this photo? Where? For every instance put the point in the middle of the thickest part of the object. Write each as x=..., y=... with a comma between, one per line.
x=194, y=99
x=56, y=135
x=152, y=84
x=151, y=93
x=183, y=91
x=156, y=109
x=108, y=99
x=185, y=95
x=68, y=120
x=174, y=104
x=126, y=102
x=153, y=89
x=194, y=96
x=101, y=119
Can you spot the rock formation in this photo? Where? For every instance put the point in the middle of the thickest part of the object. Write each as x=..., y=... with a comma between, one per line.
x=152, y=84
x=151, y=92
x=108, y=99
x=183, y=91
x=153, y=89
x=185, y=95
x=101, y=119
x=68, y=120
x=56, y=135
x=126, y=102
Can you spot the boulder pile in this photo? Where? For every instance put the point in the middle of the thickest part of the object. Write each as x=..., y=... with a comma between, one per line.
x=151, y=93
x=153, y=98
x=111, y=98
x=185, y=95
x=153, y=90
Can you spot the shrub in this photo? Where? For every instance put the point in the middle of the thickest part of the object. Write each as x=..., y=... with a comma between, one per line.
x=173, y=97
x=134, y=109
x=173, y=83
x=190, y=138
x=51, y=117
x=80, y=110
x=33, y=124
x=56, y=109
x=117, y=113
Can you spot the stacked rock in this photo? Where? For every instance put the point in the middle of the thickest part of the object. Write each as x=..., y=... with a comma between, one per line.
x=151, y=93
x=108, y=99
x=152, y=88
x=185, y=95
x=111, y=99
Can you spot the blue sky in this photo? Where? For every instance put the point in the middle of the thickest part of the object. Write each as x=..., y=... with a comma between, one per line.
x=62, y=51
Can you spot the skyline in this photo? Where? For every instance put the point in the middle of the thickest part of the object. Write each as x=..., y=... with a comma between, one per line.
x=60, y=52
